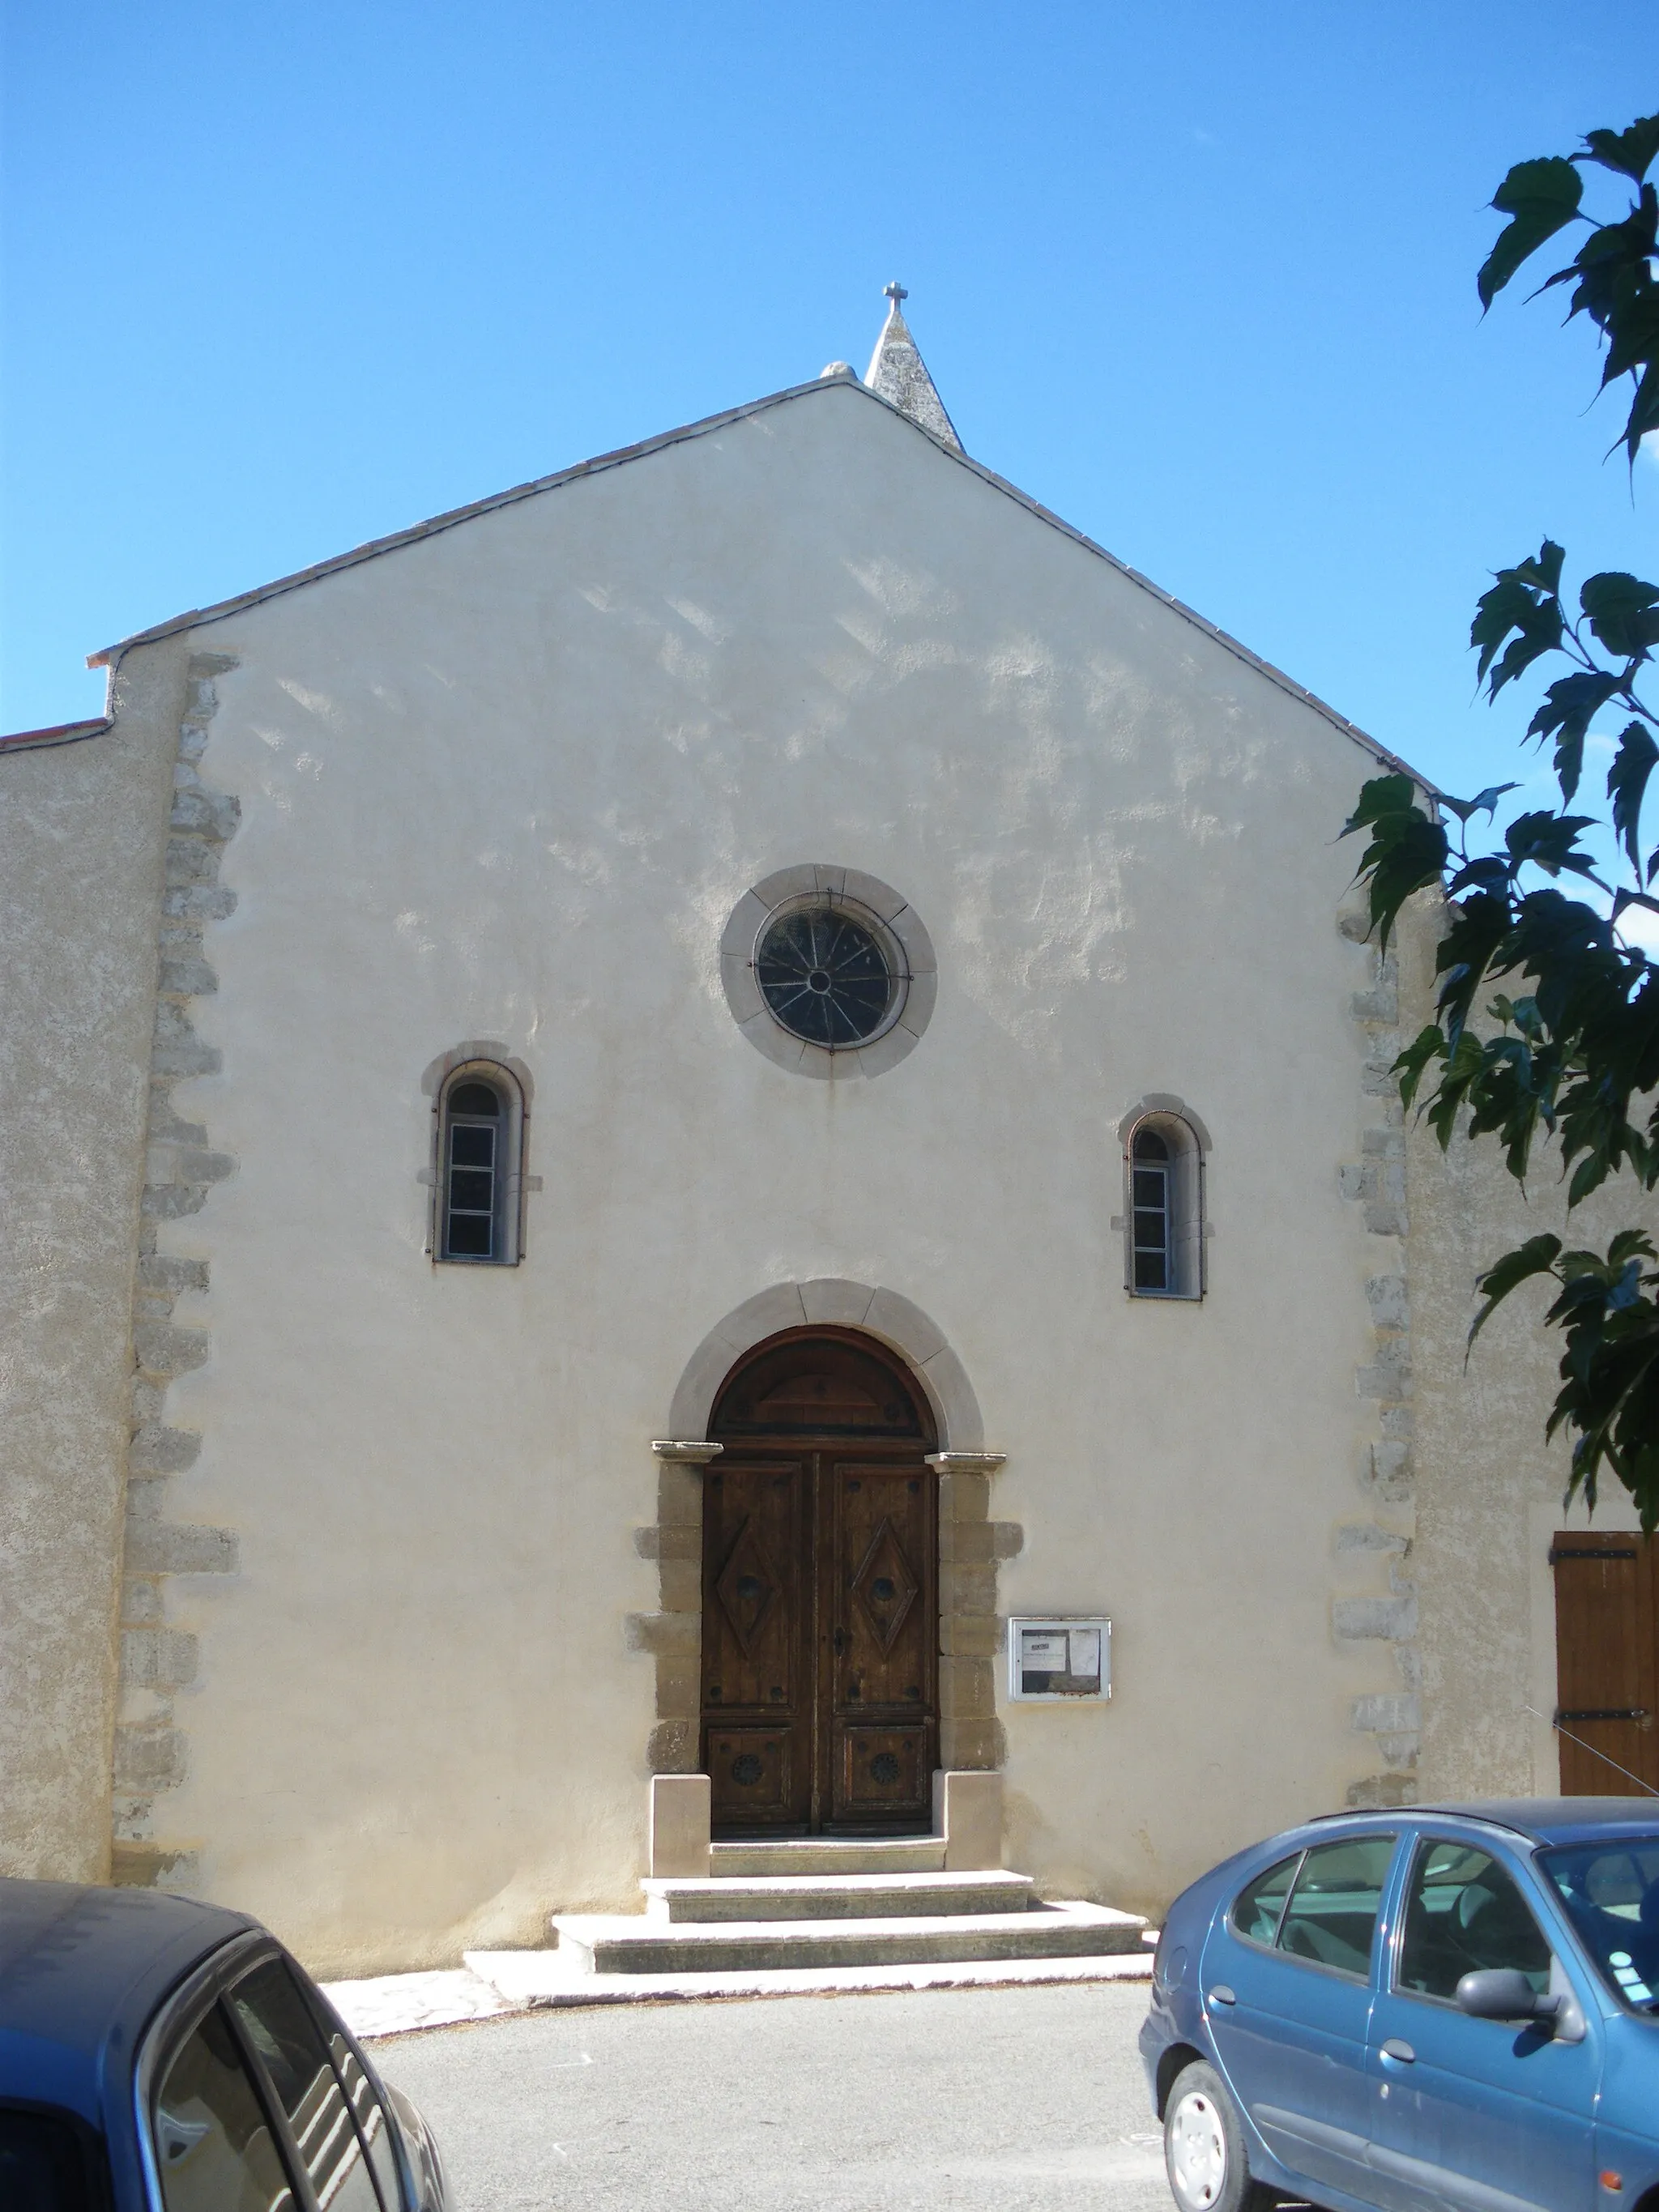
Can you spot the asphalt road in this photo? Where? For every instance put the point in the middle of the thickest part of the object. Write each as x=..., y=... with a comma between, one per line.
x=981, y=2100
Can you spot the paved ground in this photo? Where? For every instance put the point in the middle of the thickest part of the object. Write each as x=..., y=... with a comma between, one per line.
x=977, y=2100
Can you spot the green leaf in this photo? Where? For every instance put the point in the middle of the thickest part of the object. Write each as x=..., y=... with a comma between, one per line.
x=1407, y=853
x=1627, y=783
x=1611, y=267
x=1524, y=600
x=1537, y=1256
x=1548, y=841
x=1543, y=571
x=1632, y=329
x=1480, y=925
x=1383, y=795
x=1644, y=417
x=1487, y=872
x=1624, y=612
x=1569, y=709
x=1577, y=1266
x=1428, y=1044
x=1630, y=152
x=1589, y=1175
x=1541, y=198
x=1485, y=802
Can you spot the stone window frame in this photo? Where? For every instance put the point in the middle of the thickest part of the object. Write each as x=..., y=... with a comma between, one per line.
x=1172, y=1119
x=890, y=917
x=481, y=1061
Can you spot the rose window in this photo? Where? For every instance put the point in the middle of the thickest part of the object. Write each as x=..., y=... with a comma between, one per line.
x=825, y=975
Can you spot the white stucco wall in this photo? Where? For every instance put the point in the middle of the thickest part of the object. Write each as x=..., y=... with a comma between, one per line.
x=508, y=782
x=83, y=831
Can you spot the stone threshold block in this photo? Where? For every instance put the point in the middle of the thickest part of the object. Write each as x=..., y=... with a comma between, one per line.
x=679, y=1825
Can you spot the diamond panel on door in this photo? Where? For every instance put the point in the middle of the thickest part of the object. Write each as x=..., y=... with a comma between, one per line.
x=885, y=1587
x=748, y=1587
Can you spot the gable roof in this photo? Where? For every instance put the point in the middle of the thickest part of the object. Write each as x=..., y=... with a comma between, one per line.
x=60, y=733
x=841, y=378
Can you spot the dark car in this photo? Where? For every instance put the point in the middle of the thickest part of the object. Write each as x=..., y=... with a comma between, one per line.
x=162, y=2056
x=1448, y=2008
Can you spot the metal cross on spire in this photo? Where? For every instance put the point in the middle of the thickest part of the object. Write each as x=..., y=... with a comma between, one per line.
x=895, y=292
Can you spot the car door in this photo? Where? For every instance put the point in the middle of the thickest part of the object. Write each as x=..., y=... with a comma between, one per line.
x=1481, y=2115
x=1288, y=1984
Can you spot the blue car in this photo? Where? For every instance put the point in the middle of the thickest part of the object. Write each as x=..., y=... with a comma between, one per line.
x=162, y=2056
x=1447, y=2008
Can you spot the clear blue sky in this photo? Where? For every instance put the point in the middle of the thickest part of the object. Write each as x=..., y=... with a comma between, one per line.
x=1198, y=274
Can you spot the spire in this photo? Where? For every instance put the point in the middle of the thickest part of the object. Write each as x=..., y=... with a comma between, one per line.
x=898, y=373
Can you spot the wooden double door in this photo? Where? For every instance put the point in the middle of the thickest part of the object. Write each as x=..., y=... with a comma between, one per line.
x=820, y=1600
x=1606, y=1663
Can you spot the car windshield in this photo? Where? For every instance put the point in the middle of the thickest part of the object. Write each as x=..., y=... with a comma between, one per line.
x=1611, y=1892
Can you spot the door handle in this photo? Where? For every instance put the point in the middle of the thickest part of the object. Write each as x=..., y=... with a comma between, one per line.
x=1396, y=2048
x=1222, y=1995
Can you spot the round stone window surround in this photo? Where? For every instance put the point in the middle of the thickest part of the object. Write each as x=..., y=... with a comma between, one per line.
x=880, y=908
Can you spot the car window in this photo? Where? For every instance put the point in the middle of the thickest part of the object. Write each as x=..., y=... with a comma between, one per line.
x=1465, y=1913
x=1259, y=1906
x=372, y=2121
x=279, y=2025
x=214, y=2148
x=43, y=2164
x=1611, y=1893
x=1332, y=1914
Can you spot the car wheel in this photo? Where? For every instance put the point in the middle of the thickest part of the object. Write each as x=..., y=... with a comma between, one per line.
x=1204, y=2152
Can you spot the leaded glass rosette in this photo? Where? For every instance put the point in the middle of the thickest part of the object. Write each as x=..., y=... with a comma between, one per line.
x=825, y=974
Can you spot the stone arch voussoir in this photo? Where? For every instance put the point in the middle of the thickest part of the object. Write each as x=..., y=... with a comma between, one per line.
x=829, y=1301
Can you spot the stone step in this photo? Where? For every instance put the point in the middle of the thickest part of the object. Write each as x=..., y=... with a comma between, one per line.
x=821, y=1897
x=823, y=1855
x=617, y=1943
x=535, y=1978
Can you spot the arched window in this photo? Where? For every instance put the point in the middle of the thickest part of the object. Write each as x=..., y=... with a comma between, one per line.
x=479, y=1179
x=1150, y=1175
x=1165, y=1225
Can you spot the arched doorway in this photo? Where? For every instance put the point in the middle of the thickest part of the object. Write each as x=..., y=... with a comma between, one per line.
x=820, y=1611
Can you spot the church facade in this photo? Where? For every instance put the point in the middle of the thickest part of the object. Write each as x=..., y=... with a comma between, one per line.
x=645, y=1117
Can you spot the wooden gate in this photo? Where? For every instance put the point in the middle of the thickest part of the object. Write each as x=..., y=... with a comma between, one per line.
x=820, y=1596
x=1606, y=1663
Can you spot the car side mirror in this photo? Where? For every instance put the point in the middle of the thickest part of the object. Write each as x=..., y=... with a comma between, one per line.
x=1505, y=1993
x=1502, y=1993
